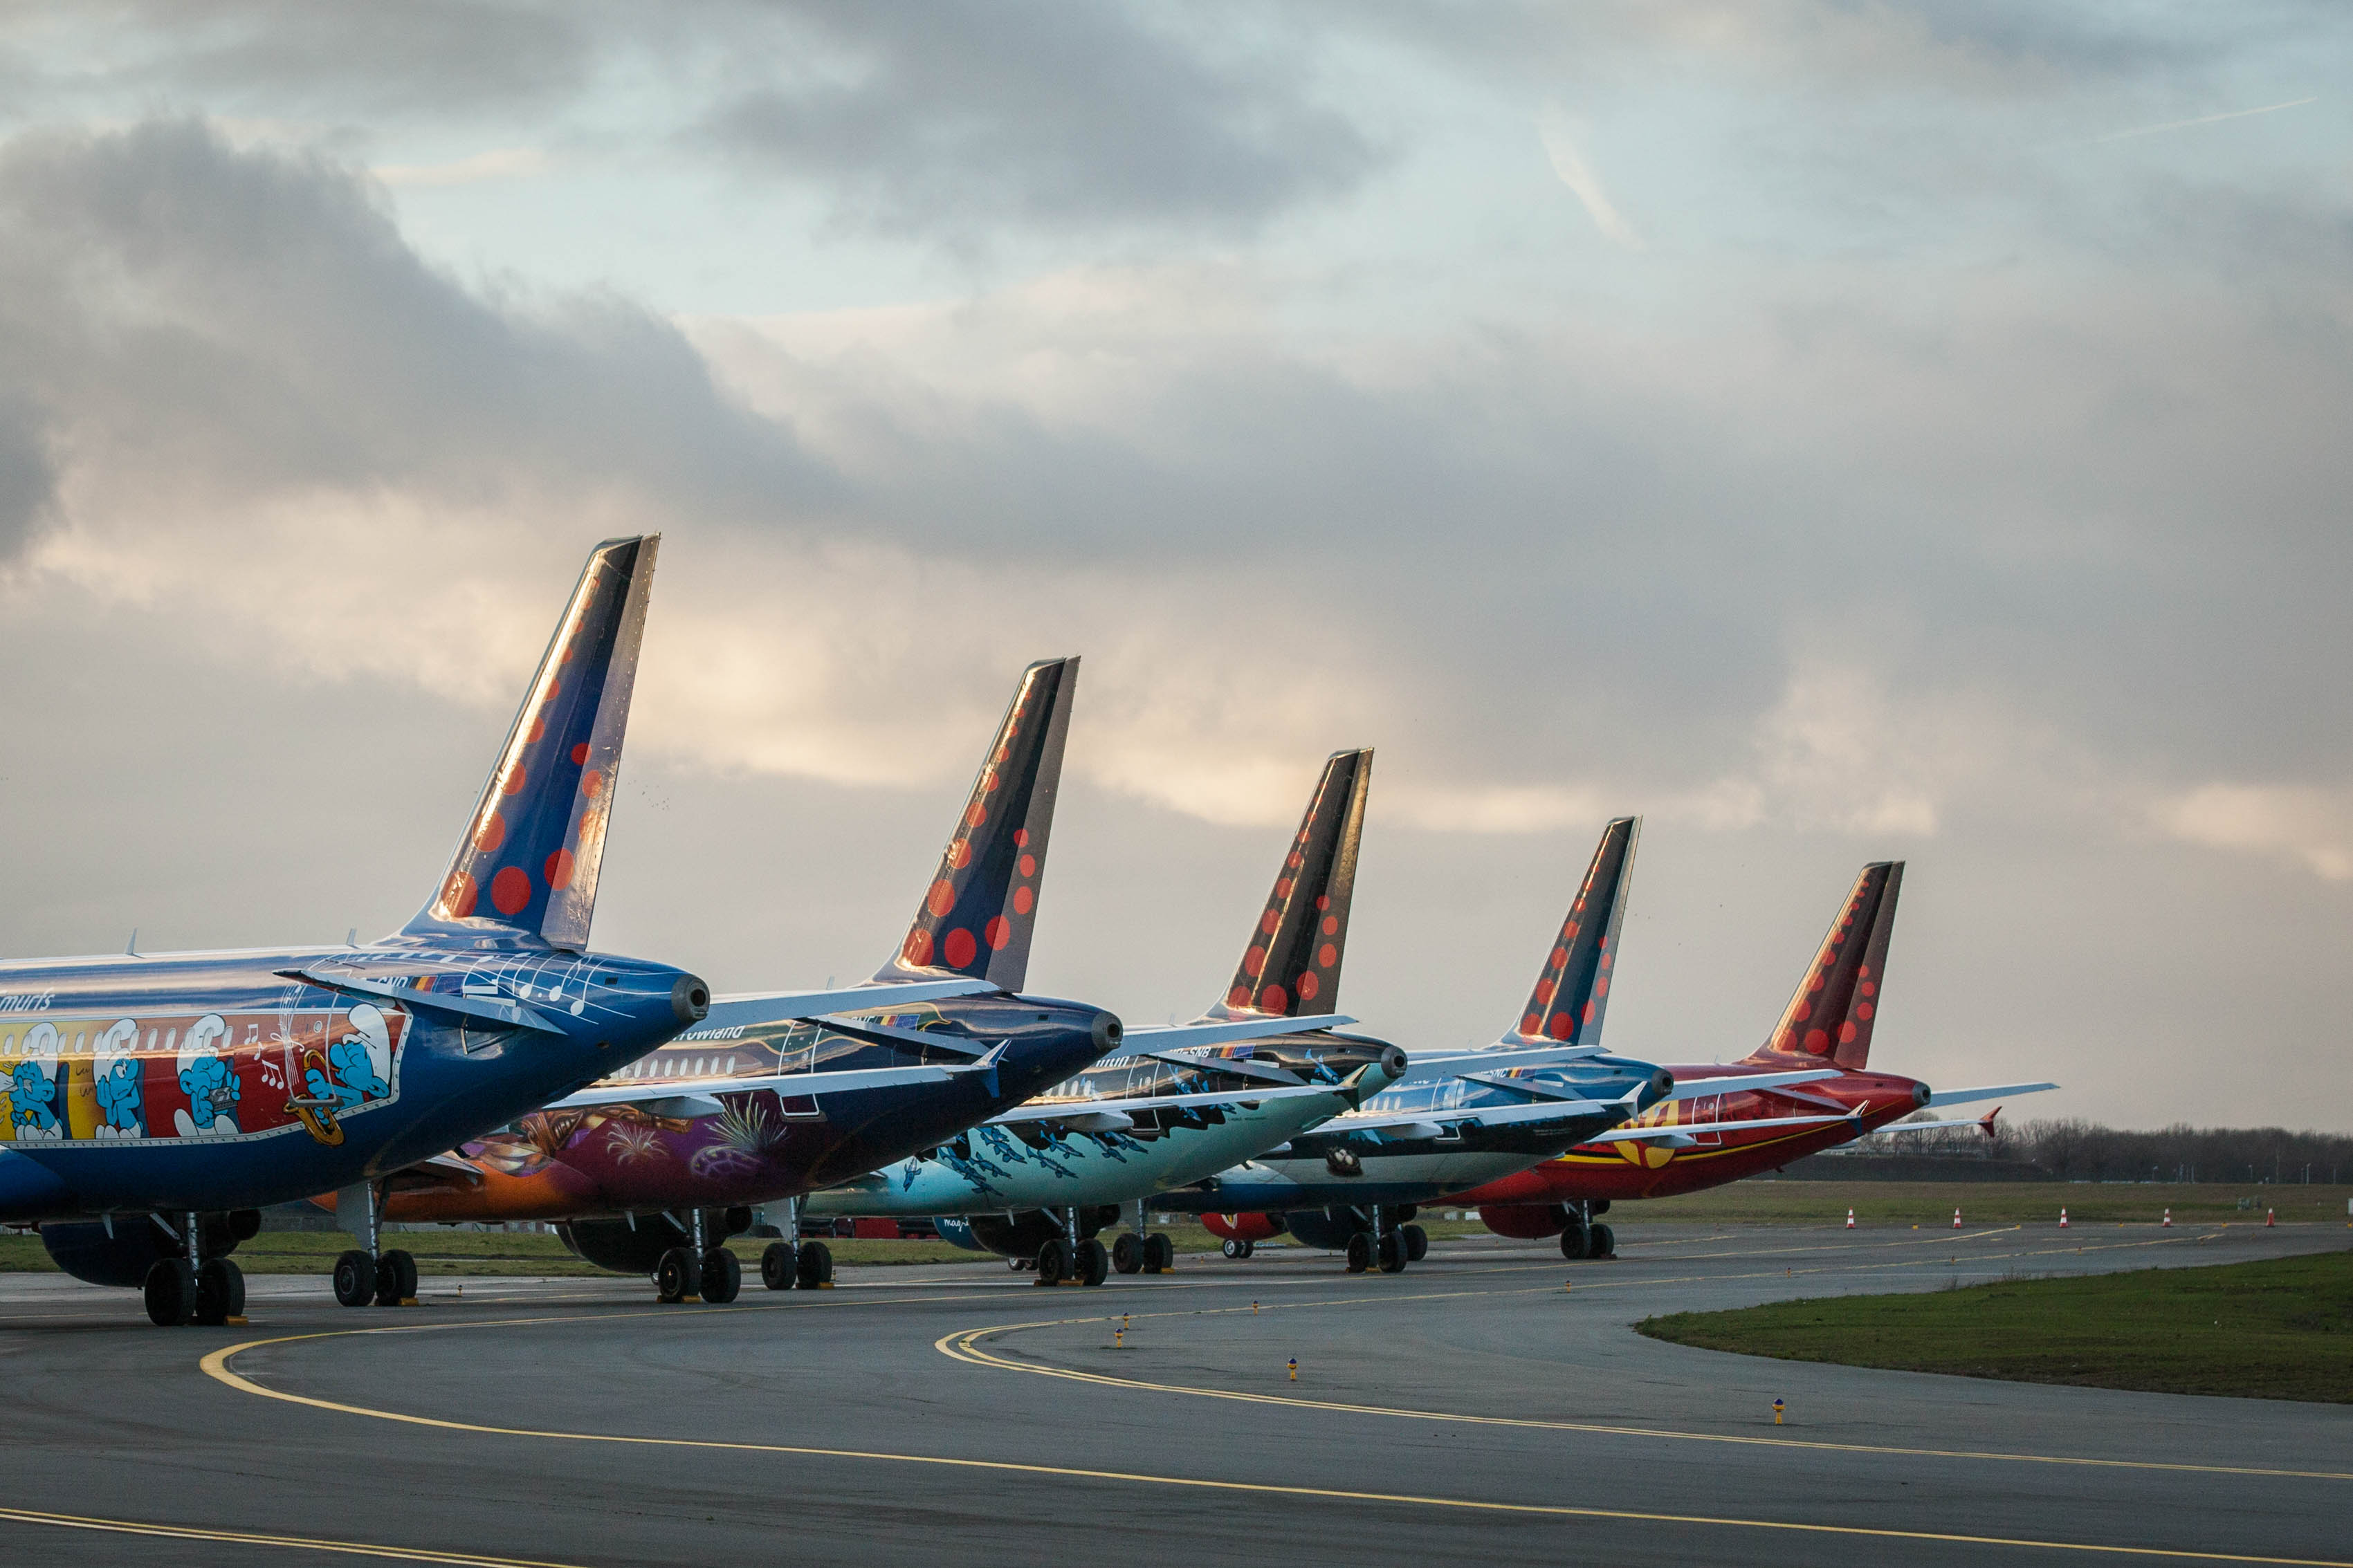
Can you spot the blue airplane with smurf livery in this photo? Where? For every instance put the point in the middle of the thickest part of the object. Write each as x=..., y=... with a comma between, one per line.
x=151, y=1104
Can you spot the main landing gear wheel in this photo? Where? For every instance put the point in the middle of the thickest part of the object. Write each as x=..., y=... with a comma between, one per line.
x=1050, y=1265
x=396, y=1278
x=779, y=1266
x=1238, y=1250
x=1577, y=1243
x=679, y=1275
x=1127, y=1253
x=1160, y=1255
x=1416, y=1243
x=170, y=1293
x=1605, y=1242
x=354, y=1279
x=1391, y=1252
x=723, y=1277
x=1094, y=1262
x=814, y=1270
x=1360, y=1253
x=220, y=1292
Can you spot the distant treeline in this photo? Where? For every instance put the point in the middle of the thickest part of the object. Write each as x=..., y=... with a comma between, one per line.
x=2077, y=1151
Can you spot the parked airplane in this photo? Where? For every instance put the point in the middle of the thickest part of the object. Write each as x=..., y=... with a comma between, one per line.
x=154, y=1102
x=1038, y=1182
x=649, y=1170
x=1809, y=1088
x=1460, y=1119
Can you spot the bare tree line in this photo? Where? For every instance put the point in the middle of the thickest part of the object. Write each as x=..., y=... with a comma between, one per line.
x=2075, y=1149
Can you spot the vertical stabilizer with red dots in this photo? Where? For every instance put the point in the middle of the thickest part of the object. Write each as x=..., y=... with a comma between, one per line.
x=1291, y=965
x=1572, y=990
x=1829, y=1019
x=528, y=864
x=982, y=904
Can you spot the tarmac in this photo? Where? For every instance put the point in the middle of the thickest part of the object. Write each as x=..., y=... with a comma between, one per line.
x=1471, y=1407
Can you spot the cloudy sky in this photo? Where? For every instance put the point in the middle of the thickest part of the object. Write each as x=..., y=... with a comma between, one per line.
x=1835, y=431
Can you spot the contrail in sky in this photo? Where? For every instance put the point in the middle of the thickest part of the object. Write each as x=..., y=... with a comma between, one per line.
x=1558, y=132
x=2205, y=119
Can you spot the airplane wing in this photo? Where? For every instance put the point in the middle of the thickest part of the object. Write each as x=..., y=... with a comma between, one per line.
x=1684, y=1135
x=1999, y=1091
x=698, y=1098
x=1150, y=1042
x=1701, y=1088
x=745, y=1008
x=1425, y=1067
x=1113, y=1114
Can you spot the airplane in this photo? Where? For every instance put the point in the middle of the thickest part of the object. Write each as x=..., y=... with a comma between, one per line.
x=1809, y=1088
x=1459, y=1119
x=649, y=1170
x=1038, y=1184
x=155, y=1102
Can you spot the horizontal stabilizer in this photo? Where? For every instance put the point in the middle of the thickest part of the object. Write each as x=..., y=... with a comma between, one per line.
x=1238, y=1068
x=745, y=1009
x=1982, y=1123
x=784, y=1083
x=1082, y=1108
x=1701, y=1088
x=1485, y=1116
x=514, y=1014
x=1999, y=1091
x=1218, y=1034
x=1426, y=1067
x=1682, y=1135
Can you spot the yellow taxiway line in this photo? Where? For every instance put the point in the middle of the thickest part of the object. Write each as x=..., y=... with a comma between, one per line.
x=256, y=1537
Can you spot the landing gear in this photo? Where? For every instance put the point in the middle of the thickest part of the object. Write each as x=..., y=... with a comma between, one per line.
x=354, y=1279
x=1390, y=1251
x=1160, y=1255
x=220, y=1292
x=1605, y=1242
x=1127, y=1253
x=679, y=1275
x=814, y=1270
x=1239, y=1250
x=1576, y=1242
x=1416, y=1243
x=1052, y=1262
x=723, y=1277
x=396, y=1278
x=1587, y=1237
x=170, y=1293
x=779, y=1266
x=1094, y=1262
x=1360, y=1253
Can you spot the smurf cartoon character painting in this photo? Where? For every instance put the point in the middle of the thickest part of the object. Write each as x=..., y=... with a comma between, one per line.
x=115, y=1073
x=34, y=1085
x=359, y=1065
x=206, y=1079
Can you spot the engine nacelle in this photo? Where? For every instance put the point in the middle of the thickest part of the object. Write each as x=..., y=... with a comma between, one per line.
x=120, y=1254
x=1329, y=1230
x=1527, y=1222
x=1242, y=1227
x=1022, y=1234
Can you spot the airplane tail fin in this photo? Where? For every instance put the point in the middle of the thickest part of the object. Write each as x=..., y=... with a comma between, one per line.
x=977, y=917
x=530, y=858
x=1291, y=965
x=1831, y=1013
x=1572, y=990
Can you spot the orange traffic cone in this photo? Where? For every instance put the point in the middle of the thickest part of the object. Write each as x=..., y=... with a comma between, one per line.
x=1849, y=1219
x=1957, y=1219
x=2062, y=1219
x=2270, y=1217
x=2168, y=1221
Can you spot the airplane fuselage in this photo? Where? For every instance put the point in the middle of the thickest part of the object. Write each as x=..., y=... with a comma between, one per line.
x=233, y=1079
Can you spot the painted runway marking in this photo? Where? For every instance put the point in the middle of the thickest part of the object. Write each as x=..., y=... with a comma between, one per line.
x=963, y=1346
x=252, y=1538
x=215, y=1365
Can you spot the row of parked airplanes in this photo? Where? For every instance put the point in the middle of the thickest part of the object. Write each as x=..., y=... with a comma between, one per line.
x=482, y=1064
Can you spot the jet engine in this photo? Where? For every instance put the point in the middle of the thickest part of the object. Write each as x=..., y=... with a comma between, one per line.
x=1327, y=1229
x=1242, y=1227
x=1021, y=1235
x=637, y=1248
x=120, y=1252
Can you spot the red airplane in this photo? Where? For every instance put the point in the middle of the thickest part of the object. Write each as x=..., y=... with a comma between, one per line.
x=1716, y=1129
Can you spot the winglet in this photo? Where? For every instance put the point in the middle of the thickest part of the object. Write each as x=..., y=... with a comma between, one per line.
x=528, y=863
x=978, y=912
x=1293, y=957
x=1572, y=989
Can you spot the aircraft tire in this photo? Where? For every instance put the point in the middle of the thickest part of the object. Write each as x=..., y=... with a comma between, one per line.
x=395, y=1278
x=1392, y=1253
x=170, y=1292
x=1416, y=1243
x=1360, y=1253
x=1160, y=1254
x=1233, y=1250
x=1605, y=1242
x=815, y=1270
x=1094, y=1262
x=779, y=1269
x=723, y=1277
x=354, y=1279
x=1577, y=1243
x=220, y=1292
x=1049, y=1262
x=679, y=1275
x=1127, y=1253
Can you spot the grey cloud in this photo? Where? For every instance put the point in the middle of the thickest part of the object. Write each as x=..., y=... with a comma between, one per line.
x=27, y=475
x=962, y=117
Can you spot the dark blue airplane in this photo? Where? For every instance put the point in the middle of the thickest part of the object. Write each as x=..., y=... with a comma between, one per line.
x=151, y=1104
